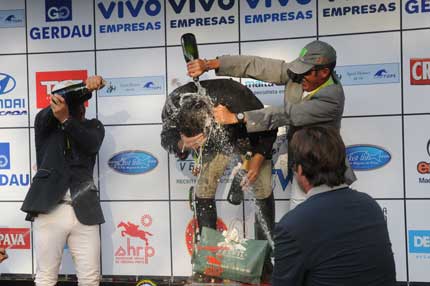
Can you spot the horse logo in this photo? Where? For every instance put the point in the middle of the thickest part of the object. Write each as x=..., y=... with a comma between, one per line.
x=133, y=230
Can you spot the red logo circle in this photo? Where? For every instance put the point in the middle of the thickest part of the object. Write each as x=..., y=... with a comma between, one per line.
x=189, y=232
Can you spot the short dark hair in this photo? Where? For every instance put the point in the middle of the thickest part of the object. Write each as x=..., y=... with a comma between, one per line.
x=321, y=153
x=193, y=115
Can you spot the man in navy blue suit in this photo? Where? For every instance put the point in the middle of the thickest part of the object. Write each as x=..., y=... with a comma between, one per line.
x=338, y=236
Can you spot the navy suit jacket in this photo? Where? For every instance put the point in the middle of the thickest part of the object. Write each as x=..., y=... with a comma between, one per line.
x=65, y=158
x=338, y=237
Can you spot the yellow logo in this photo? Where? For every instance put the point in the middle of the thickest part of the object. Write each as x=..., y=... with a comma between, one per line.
x=145, y=282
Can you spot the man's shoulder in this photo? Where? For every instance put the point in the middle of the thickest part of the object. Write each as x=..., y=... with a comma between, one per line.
x=334, y=90
x=93, y=122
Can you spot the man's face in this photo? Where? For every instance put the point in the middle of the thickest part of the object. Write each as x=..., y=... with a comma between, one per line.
x=314, y=78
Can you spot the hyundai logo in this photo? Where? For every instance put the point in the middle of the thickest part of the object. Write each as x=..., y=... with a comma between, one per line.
x=133, y=162
x=367, y=157
x=7, y=83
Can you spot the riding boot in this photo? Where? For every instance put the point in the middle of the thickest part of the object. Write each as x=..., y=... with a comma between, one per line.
x=206, y=213
x=267, y=213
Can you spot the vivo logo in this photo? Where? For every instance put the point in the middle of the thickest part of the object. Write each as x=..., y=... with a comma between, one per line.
x=133, y=162
x=205, y=4
x=151, y=8
x=7, y=83
x=268, y=3
x=419, y=241
x=367, y=157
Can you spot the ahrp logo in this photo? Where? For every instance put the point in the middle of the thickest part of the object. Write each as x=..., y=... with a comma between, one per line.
x=136, y=248
x=367, y=157
x=133, y=162
x=420, y=71
x=192, y=228
x=58, y=10
x=7, y=83
x=4, y=156
x=45, y=81
x=15, y=238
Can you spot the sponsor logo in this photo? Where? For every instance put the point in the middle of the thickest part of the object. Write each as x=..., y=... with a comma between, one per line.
x=7, y=83
x=58, y=10
x=191, y=7
x=4, y=156
x=185, y=167
x=420, y=71
x=132, y=86
x=124, y=10
x=369, y=74
x=10, y=179
x=355, y=10
x=419, y=241
x=367, y=157
x=15, y=238
x=423, y=168
x=417, y=6
x=12, y=18
x=274, y=17
x=284, y=180
x=191, y=230
x=10, y=106
x=45, y=81
x=146, y=282
x=137, y=247
x=261, y=88
x=133, y=162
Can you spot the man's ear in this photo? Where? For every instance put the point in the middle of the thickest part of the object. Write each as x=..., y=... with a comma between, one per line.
x=299, y=170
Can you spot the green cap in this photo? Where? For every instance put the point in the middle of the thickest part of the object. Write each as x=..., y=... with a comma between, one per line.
x=313, y=54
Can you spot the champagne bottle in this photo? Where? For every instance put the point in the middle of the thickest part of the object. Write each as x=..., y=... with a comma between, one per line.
x=189, y=47
x=235, y=195
x=74, y=94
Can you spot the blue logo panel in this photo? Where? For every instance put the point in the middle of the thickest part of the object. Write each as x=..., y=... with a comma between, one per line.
x=133, y=162
x=367, y=157
x=7, y=83
x=12, y=18
x=369, y=74
x=419, y=241
x=132, y=86
x=4, y=156
x=58, y=10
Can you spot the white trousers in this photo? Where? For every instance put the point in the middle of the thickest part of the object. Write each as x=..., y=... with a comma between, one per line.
x=51, y=232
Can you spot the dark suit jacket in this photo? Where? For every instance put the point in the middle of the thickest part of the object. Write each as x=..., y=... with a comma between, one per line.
x=65, y=157
x=338, y=237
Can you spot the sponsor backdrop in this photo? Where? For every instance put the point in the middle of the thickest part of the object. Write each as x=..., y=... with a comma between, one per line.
x=383, y=63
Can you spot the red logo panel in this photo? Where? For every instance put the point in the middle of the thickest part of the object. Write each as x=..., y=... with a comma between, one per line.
x=45, y=81
x=420, y=71
x=15, y=238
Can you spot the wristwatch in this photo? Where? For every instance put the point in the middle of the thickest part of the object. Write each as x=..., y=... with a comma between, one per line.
x=240, y=117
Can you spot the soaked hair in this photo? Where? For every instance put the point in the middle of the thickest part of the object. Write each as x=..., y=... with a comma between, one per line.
x=321, y=153
x=193, y=115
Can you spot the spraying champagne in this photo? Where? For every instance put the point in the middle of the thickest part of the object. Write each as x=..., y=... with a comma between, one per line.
x=235, y=195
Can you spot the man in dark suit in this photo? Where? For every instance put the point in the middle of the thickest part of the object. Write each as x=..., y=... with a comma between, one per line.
x=63, y=200
x=337, y=236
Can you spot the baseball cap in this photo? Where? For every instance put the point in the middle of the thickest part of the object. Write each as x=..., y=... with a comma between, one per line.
x=313, y=54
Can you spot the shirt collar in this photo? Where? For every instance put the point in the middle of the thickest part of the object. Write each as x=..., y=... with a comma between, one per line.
x=324, y=189
x=308, y=95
